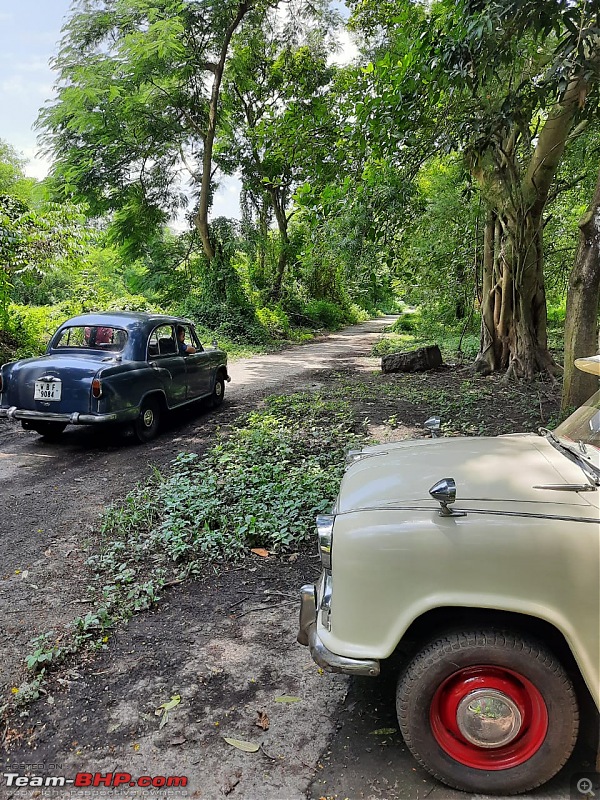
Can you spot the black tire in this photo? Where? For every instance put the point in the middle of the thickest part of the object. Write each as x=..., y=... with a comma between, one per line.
x=49, y=430
x=148, y=422
x=218, y=392
x=445, y=690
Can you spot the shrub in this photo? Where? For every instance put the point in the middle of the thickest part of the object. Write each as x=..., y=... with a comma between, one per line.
x=408, y=322
x=324, y=314
x=275, y=321
x=236, y=322
x=32, y=326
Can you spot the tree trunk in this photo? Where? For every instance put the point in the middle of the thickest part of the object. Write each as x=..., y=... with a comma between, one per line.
x=514, y=325
x=209, y=139
x=279, y=204
x=513, y=311
x=581, y=324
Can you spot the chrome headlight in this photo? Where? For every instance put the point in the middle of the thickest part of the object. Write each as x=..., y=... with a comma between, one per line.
x=325, y=534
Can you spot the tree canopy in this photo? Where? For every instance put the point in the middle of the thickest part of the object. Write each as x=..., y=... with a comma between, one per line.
x=451, y=165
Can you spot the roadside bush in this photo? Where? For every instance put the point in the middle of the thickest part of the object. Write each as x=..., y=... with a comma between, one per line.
x=275, y=321
x=235, y=322
x=32, y=326
x=324, y=314
x=408, y=321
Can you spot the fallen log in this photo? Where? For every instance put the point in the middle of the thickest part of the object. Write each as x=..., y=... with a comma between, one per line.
x=413, y=360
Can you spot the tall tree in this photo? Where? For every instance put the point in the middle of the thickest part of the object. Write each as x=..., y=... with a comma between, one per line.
x=278, y=118
x=138, y=104
x=505, y=83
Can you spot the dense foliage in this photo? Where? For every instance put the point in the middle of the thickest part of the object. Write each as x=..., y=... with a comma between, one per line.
x=448, y=168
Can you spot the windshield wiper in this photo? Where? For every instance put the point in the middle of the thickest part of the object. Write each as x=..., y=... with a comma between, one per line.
x=574, y=455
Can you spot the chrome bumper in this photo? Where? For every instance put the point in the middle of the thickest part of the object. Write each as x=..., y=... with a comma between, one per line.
x=307, y=635
x=46, y=416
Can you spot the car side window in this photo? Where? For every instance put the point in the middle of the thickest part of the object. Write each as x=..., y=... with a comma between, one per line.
x=194, y=339
x=190, y=337
x=162, y=342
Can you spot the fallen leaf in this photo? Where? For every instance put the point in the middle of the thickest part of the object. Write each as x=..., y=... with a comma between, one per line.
x=163, y=720
x=174, y=701
x=263, y=720
x=287, y=698
x=383, y=731
x=260, y=551
x=247, y=747
x=163, y=710
x=177, y=740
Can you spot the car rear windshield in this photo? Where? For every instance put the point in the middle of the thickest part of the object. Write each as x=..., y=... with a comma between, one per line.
x=94, y=337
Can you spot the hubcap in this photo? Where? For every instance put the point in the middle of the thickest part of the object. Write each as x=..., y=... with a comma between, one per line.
x=488, y=718
x=218, y=388
x=148, y=417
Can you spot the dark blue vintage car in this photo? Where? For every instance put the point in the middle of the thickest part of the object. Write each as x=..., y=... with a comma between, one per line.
x=118, y=368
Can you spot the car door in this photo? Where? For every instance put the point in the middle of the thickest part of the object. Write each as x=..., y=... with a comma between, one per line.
x=164, y=357
x=198, y=366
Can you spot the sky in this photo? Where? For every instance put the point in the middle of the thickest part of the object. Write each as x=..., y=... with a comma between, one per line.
x=30, y=31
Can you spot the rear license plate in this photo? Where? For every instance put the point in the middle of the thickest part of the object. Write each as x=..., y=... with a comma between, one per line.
x=47, y=390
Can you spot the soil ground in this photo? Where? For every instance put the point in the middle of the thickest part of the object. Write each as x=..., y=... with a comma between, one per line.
x=225, y=643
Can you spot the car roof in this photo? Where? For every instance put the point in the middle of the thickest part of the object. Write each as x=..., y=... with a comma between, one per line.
x=589, y=364
x=123, y=319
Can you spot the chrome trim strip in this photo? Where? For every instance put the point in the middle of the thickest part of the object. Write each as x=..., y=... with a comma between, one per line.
x=470, y=511
x=570, y=487
x=307, y=635
x=74, y=418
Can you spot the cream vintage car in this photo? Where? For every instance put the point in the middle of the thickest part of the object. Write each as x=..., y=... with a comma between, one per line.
x=484, y=585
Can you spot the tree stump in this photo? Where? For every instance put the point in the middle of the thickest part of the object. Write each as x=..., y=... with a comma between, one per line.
x=413, y=361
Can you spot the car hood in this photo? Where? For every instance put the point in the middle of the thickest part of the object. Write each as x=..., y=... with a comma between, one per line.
x=501, y=473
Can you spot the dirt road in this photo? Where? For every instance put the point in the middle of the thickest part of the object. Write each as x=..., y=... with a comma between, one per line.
x=224, y=644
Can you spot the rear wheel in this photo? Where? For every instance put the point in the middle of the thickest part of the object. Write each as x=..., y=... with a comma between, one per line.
x=49, y=430
x=146, y=425
x=488, y=711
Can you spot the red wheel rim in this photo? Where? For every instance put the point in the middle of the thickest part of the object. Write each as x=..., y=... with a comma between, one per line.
x=519, y=690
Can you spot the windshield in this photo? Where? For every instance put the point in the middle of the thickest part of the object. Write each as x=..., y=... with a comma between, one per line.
x=584, y=426
x=94, y=337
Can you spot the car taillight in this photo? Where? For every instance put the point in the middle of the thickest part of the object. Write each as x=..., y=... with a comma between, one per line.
x=325, y=534
x=97, y=387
